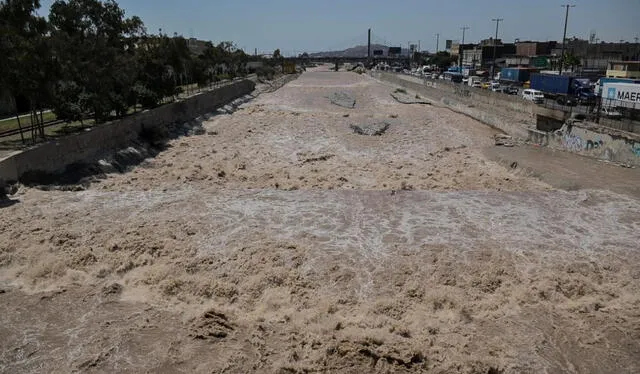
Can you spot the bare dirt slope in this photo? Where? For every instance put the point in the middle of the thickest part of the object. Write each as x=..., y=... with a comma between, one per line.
x=282, y=242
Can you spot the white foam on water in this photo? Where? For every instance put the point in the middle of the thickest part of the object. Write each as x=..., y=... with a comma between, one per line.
x=365, y=227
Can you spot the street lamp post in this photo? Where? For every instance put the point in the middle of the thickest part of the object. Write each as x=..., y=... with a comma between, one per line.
x=495, y=47
x=564, y=36
x=461, y=48
x=438, y=42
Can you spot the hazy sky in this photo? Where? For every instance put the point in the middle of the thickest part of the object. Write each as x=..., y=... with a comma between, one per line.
x=311, y=26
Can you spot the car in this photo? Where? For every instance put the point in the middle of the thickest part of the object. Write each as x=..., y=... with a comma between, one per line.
x=610, y=113
x=485, y=85
x=510, y=90
x=494, y=86
x=476, y=84
x=567, y=101
x=465, y=81
x=533, y=95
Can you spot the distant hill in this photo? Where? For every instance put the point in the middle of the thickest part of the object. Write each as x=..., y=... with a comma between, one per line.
x=357, y=51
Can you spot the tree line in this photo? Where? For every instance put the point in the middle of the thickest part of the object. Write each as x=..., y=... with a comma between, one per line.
x=87, y=60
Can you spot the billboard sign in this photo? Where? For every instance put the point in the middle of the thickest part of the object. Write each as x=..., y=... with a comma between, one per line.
x=394, y=51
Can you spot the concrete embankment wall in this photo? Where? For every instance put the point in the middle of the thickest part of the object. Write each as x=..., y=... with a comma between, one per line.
x=596, y=141
x=520, y=118
x=54, y=156
x=510, y=114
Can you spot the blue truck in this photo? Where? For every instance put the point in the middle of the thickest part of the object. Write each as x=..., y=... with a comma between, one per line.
x=565, y=90
x=515, y=75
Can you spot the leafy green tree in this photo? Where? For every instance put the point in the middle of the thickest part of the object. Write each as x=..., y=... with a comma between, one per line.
x=94, y=45
x=442, y=60
x=24, y=57
x=570, y=61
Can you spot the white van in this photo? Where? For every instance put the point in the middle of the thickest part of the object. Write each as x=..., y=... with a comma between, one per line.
x=533, y=95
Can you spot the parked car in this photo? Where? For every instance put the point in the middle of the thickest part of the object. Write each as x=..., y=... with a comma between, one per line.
x=567, y=100
x=533, y=95
x=494, y=86
x=485, y=85
x=476, y=84
x=610, y=113
x=510, y=90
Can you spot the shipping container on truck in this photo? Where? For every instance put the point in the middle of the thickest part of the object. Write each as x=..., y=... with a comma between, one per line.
x=563, y=88
x=603, y=80
x=621, y=95
x=516, y=75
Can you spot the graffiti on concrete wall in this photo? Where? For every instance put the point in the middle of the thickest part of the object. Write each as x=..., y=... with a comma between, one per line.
x=572, y=142
x=593, y=144
x=576, y=144
x=429, y=83
x=636, y=149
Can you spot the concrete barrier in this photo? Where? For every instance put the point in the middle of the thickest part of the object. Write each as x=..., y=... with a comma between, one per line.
x=509, y=114
x=589, y=139
x=91, y=145
x=525, y=120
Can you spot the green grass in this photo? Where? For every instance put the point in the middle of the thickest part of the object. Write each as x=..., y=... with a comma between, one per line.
x=51, y=132
x=11, y=124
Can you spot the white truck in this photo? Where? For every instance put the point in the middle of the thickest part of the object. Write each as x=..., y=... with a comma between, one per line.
x=474, y=81
x=616, y=94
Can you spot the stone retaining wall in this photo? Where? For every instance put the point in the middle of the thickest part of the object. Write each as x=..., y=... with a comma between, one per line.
x=97, y=141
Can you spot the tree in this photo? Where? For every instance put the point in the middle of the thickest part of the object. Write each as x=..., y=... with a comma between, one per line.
x=94, y=45
x=24, y=57
x=442, y=60
x=276, y=54
x=571, y=61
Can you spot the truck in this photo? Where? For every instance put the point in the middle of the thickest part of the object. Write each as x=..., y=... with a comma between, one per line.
x=474, y=81
x=621, y=95
x=565, y=90
x=603, y=80
x=515, y=75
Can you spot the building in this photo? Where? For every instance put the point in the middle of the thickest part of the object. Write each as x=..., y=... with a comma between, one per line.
x=457, y=48
x=517, y=61
x=599, y=54
x=624, y=69
x=531, y=49
x=481, y=56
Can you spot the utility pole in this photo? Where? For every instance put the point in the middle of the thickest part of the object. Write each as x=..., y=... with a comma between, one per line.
x=461, y=48
x=495, y=47
x=369, y=46
x=437, y=43
x=564, y=36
